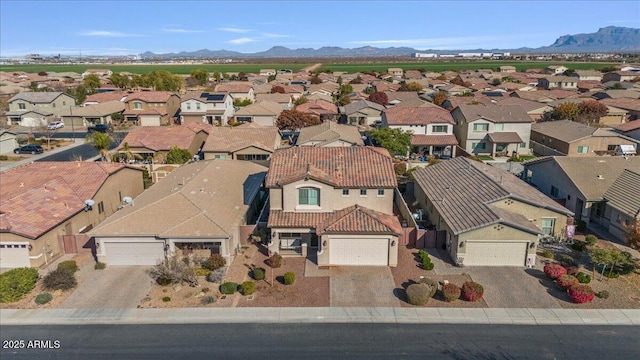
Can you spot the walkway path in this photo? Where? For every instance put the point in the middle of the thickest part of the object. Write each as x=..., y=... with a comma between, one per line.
x=312, y=68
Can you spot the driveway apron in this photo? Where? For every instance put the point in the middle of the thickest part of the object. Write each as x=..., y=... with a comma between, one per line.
x=362, y=286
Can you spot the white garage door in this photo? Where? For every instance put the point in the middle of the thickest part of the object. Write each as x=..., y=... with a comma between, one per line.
x=495, y=253
x=14, y=256
x=149, y=121
x=359, y=252
x=134, y=253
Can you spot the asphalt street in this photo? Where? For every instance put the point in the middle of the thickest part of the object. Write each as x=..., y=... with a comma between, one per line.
x=320, y=341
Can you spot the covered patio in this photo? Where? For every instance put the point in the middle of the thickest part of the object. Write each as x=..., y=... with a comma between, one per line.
x=439, y=146
x=505, y=143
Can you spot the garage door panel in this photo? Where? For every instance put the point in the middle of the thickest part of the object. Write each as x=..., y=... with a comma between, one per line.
x=495, y=253
x=359, y=252
x=14, y=256
x=134, y=253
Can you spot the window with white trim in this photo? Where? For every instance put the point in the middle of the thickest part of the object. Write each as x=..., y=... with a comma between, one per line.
x=554, y=191
x=480, y=127
x=380, y=192
x=499, y=127
x=137, y=105
x=345, y=192
x=309, y=196
x=583, y=149
x=548, y=225
x=439, y=129
x=363, y=192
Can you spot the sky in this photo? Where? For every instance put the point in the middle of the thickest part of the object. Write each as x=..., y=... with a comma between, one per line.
x=124, y=27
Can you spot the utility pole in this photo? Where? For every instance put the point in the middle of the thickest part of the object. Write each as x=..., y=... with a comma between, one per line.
x=73, y=129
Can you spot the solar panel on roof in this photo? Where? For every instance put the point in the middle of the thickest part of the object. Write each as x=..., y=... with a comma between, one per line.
x=215, y=97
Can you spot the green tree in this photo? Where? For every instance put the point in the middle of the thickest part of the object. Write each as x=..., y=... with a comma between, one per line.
x=345, y=89
x=496, y=82
x=101, y=142
x=177, y=155
x=202, y=75
x=301, y=100
x=119, y=80
x=294, y=120
x=242, y=102
x=79, y=92
x=357, y=80
x=92, y=82
x=126, y=154
x=414, y=86
x=396, y=141
x=344, y=99
x=565, y=111
x=217, y=76
x=271, y=78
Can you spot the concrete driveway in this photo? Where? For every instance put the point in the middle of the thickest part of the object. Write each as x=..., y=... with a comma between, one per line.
x=510, y=287
x=370, y=286
x=113, y=287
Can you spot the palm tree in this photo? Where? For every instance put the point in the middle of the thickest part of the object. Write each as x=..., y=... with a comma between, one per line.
x=128, y=155
x=100, y=142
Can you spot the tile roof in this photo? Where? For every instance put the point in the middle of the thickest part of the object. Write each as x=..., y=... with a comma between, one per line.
x=623, y=103
x=630, y=126
x=268, y=108
x=561, y=94
x=437, y=140
x=569, y=131
x=330, y=131
x=359, y=105
x=234, y=138
x=354, y=219
x=99, y=109
x=505, y=137
x=206, y=198
x=318, y=107
x=162, y=138
x=150, y=96
x=462, y=191
x=528, y=105
x=277, y=97
x=38, y=97
x=353, y=167
x=237, y=87
x=417, y=116
x=623, y=194
x=38, y=196
x=495, y=113
x=106, y=96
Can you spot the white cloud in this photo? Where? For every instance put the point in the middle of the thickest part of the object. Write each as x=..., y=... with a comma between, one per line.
x=181, y=31
x=243, y=40
x=451, y=42
x=103, y=33
x=270, y=35
x=234, y=30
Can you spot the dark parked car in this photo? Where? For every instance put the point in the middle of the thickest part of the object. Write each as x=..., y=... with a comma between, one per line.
x=29, y=149
x=103, y=128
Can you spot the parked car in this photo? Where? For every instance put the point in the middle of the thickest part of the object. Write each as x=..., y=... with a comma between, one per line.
x=103, y=128
x=29, y=149
x=55, y=125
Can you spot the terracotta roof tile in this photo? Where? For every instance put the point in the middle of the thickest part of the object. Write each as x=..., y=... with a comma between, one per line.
x=106, y=96
x=417, y=116
x=318, y=107
x=330, y=131
x=150, y=96
x=505, y=137
x=437, y=140
x=162, y=138
x=234, y=138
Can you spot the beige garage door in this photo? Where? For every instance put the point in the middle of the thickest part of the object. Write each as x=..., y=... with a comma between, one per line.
x=495, y=253
x=134, y=253
x=149, y=120
x=14, y=256
x=359, y=252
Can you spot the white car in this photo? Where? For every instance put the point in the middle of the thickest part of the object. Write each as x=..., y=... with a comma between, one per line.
x=55, y=125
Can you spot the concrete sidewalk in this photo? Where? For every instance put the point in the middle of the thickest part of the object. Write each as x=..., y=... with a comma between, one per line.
x=321, y=315
x=77, y=142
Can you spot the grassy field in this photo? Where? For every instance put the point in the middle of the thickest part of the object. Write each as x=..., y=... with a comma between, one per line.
x=348, y=67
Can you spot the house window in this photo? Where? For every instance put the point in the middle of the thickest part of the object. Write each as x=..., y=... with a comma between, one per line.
x=309, y=196
x=137, y=105
x=583, y=149
x=611, y=147
x=480, y=127
x=618, y=218
x=363, y=192
x=221, y=157
x=479, y=146
x=22, y=106
x=197, y=106
x=345, y=192
x=64, y=103
x=290, y=244
x=499, y=127
x=243, y=118
x=548, y=225
x=188, y=106
x=100, y=207
x=54, y=104
x=251, y=157
x=554, y=191
x=439, y=128
x=380, y=192
x=523, y=145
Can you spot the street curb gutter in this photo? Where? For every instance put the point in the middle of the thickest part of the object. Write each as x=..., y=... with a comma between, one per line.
x=515, y=316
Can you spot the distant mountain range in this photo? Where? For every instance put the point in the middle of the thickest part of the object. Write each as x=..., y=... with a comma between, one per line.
x=608, y=39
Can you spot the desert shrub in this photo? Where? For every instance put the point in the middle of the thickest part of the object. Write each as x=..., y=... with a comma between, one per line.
x=43, y=298
x=418, y=294
x=228, y=288
x=209, y=299
x=566, y=260
x=626, y=269
x=258, y=273
x=69, y=265
x=99, y=266
x=579, y=246
x=450, y=292
x=603, y=294
x=275, y=261
x=567, y=281
x=554, y=271
x=612, y=274
x=432, y=284
x=583, y=278
x=59, y=279
x=547, y=253
x=16, y=283
x=581, y=294
x=202, y=272
x=248, y=287
x=289, y=278
x=591, y=239
x=472, y=291
x=166, y=299
x=217, y=276
x=4, y=157
x=572, y=270
x=214, y=262
x=173, y=271
x=425, y=260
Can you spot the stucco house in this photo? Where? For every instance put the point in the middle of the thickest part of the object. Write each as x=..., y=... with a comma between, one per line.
x=45, y=207
x=622, y=203
x=37, y=108
x=329, y=133
x=630, y=129
x=397, y=72
x=535, y=109
x=619, y=76
x=334, y=204
x=362, y=113
x=498, y=130
x=490, y=217
x=239, y=90
x=89, y=115
x=325, y=111
x=202, y=208
x=252, y=142
x=558, y=82
x=555, y=69
x=151, y=108
x=8, y=141
x=206, y=108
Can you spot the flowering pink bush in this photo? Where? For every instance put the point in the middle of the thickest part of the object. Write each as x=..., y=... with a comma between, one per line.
x=554, y=271
x=572, y=270
x=581, y=294
x=472, y=291
x=450, y=292
x=567, y=281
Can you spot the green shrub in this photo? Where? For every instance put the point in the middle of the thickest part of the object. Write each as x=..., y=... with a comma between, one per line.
x=202, y=272
x=450, y=292
x=4, y=157
x=591, y=239
x=15, y=283
x=626, y=269
x=472, y=291
x=432, y=284
x=69, y=265
x=275, y=261
x=248, y=288
x=99, y=266
x=228, y=288
x=258, y=273
x=207, y=300
x=612, y=274
x=214, y=262
x=547, y=253
x=59, y=279
x=166, y=299
x=567, y=281
x=566, y=260
x=425, y=260
x=603, y=294
x=289, y=278
x=43, y=298
x=583, y=278
x=418, y=294
x=579, y=246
